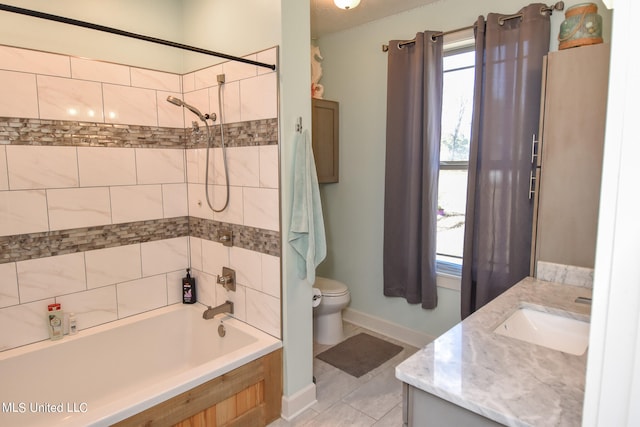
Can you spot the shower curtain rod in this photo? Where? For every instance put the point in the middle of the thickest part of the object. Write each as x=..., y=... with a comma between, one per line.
x=116, y=31
x=557, y=6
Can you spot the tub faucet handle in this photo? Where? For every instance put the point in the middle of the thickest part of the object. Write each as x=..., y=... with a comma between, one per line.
x=228, y=279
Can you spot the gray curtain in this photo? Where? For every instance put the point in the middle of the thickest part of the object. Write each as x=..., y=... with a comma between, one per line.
x=414, y=108
x=497, y=243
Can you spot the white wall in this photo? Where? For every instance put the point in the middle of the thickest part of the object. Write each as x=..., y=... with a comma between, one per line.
x=354, y=74
x=155, y=18
x=234, y=27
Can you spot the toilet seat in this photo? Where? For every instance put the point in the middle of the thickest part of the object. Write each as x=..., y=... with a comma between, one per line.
x=330, y=288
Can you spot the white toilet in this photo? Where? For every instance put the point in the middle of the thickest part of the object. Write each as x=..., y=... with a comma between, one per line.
x=327, y=316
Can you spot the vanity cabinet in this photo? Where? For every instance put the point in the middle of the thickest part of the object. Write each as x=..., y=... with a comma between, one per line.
x=569, y=156
x=324, y=139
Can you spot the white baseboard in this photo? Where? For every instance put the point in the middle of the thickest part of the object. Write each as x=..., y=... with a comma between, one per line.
x=297, y=403
x=402, y=333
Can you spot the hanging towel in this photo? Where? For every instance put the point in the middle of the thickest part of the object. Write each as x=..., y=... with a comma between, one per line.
x=306, y=234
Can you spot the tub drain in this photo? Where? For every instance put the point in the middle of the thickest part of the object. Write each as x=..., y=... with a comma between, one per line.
x=222, y=331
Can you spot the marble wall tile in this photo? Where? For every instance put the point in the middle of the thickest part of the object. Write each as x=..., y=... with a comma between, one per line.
x=23, y=212
x=207, y=77
x=93, y=307
x=32, y=61
x=269, y=166
x=234, y=212
x=248, y=267
x=195, y=252
x=158, y=80
x=188, y=82
x=206, y=287
x=123, y=104
x=261, y=208
x=32, y=167
x=141, y=295
x=174, y=200
x=270, y=275
x=160, y=166
x=24, y=324
x=98, y=71
x=78, y=207
x=113, y=265
x=269, y=56
x=259, y=97
x=8, y=285
x=20, y=88
x=168, y=114
x=195, y=159
x=231, y=104
x=263, y=312
x=243, y=166
x=214, y=256
x=164, y=256
x=4, y=174
x=239, y=299
x=66, y=99
x=136, y=203
x=174, y=287
x=197, y=202
x=238, y=70
x=47, y=277
x=200, y=100
x=101, y=166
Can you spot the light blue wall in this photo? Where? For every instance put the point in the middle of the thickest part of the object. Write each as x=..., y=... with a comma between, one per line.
x=354, y=74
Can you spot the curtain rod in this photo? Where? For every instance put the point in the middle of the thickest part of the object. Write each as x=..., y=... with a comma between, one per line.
x=116, y=31
x=557, y=6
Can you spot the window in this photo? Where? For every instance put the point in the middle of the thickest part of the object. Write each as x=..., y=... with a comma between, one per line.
x=457, y=107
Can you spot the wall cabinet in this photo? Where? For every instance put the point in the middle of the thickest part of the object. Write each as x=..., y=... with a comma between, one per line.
x=324, y=139
x=569, y=157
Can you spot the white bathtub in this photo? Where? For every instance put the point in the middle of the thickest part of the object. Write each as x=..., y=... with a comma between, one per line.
x=105, y=374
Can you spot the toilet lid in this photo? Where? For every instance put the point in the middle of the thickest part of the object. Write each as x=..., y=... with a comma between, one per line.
x=330, y=287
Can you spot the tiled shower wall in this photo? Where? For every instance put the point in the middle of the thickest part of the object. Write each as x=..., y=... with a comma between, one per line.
x=102, y=202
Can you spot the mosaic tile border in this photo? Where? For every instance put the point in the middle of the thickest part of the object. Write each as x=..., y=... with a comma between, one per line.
x=250, y=238
x=21, y=247
x=239, y=134
x=23, y=131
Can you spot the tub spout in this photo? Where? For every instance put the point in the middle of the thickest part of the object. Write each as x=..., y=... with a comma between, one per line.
x=210, y=312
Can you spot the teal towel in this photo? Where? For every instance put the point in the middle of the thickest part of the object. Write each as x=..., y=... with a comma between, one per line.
x=306, y=234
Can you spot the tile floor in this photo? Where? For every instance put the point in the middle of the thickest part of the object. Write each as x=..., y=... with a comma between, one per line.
x=374, y=399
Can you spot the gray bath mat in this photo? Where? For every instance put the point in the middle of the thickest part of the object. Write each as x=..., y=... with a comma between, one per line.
x=359, y=354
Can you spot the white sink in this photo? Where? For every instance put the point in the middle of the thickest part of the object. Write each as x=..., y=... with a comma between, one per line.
x=546, y=329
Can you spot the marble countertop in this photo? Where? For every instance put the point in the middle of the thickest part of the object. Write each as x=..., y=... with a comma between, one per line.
x=507, y=380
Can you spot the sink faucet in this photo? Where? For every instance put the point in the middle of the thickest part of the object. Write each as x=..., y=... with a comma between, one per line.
x=210, y=312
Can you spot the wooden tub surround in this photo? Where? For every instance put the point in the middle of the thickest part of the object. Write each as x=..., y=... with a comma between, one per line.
x=248, y=396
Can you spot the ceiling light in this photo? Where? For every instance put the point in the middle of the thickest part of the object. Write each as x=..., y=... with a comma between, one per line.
x=346, y=4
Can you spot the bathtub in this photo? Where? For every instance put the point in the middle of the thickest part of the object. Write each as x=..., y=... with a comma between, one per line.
x=110, y=372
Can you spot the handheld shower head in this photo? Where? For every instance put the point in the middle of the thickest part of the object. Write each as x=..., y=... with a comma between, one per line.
x=180, y=103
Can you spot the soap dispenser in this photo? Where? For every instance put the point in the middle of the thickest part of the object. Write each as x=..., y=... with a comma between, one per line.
x=188, y=289
x=55, y=321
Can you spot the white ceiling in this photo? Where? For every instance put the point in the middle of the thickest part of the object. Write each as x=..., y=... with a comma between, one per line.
x=327, y=18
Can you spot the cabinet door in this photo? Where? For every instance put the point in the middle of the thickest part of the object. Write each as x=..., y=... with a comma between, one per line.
x=325, y=139
x=571, y=150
